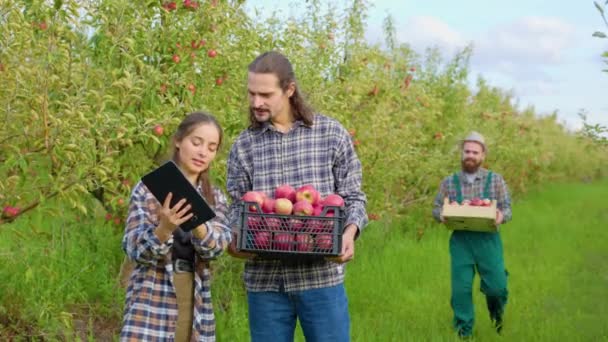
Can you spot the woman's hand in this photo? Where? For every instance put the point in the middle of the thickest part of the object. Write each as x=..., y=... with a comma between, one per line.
x=171, y=218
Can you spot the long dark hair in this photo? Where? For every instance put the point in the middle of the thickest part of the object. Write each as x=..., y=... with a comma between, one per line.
x=273, y=62
x=188, y=124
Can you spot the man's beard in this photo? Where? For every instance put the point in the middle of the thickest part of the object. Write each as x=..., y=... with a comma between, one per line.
x=257, y=118
x=470, y=166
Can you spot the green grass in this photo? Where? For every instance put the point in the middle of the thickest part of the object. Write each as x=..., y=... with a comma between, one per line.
x=59, y=276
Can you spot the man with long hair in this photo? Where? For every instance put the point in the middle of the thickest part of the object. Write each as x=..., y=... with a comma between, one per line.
x=287, y=143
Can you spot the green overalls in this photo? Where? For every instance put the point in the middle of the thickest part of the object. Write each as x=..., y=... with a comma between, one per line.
x=481, y=251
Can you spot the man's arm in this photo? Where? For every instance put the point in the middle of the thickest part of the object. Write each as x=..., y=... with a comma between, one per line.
x=438, y=202
x=348, y=177
x=237, y=183
x=503, y=199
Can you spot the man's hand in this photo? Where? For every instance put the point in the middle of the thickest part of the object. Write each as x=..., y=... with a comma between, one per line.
x=499, y=217
x=348, y=245
x=236, y=253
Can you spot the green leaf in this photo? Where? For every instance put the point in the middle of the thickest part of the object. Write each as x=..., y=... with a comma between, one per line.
x=599, y=34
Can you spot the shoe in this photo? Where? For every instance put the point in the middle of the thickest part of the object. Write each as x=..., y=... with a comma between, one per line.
x=498, y=325
x=464, y=335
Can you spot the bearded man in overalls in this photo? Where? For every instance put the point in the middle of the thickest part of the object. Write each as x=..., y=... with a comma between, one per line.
x=472, y=251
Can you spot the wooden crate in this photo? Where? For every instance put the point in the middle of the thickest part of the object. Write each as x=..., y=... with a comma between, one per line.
x=467, y=217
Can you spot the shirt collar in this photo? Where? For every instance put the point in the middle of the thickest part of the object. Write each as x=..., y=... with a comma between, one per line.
x=266, y=126
x=481, y=172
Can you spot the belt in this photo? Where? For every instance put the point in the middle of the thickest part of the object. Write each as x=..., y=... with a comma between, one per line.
x=183, y=266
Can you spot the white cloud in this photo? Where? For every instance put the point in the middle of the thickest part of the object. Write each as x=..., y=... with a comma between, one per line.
x=424, y=31
x=528, y=40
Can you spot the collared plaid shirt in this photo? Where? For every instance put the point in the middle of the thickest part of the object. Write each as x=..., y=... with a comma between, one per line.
x=323, y=155
x=151, y=307
x=498, y=191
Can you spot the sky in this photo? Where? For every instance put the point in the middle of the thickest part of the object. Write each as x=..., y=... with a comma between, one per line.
x=542, y=51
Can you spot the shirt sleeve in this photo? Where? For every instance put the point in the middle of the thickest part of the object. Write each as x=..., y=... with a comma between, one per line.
x=503, y=199
x=438, y=202
x=218, y=234
x=237, y=184
x=348, y=177
x=139, y=242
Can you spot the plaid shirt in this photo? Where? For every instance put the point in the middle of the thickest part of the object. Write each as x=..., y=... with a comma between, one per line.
x=498, y=190
x=151, y=307
x=323, y=155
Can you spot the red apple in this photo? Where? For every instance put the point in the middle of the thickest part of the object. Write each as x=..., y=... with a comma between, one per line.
x=262, y=239
x=285, y=191
x=176, y=58
x=295, y=224
x=117, y=221
x=302, y=208
x=219, y=81
x=304, y=242
x=192, y=88
x=333, y=200
x=317, y=210
x=11, y=211
x=274, y=224
x=120, y=201
x=253, y=196
x=324, y=242
x=108, y=217
x=254, y=223
x=283, y=241
x=158, y=130
x=308, y=193
x=268, y=205
x=283, y=206
x=212, y=53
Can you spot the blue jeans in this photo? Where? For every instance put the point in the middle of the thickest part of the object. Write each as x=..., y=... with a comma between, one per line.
x=323, y=315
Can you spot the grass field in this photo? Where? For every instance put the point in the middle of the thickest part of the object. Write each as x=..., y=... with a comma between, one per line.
x=59, y=276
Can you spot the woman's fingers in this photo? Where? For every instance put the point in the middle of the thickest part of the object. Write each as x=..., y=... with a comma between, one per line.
x=183, y=219
x=183, y=211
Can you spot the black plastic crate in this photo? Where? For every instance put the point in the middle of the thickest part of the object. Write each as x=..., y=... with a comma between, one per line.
x=291, y=237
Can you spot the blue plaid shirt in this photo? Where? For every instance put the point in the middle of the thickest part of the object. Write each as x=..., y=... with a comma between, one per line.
x=151, y=306
x=261, y=159
x=498, y=190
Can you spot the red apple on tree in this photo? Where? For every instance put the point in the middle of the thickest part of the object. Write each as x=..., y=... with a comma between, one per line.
x=212, y=53
x=158, y=130
x=176, y=58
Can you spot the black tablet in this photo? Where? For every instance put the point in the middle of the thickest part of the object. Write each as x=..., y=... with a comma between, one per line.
x=169, y=178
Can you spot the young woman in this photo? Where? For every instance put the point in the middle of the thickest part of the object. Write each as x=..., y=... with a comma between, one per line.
x=168, y=295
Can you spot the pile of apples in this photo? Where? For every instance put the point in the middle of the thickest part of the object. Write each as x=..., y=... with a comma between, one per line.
x=474, y=202
x=291, y=219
